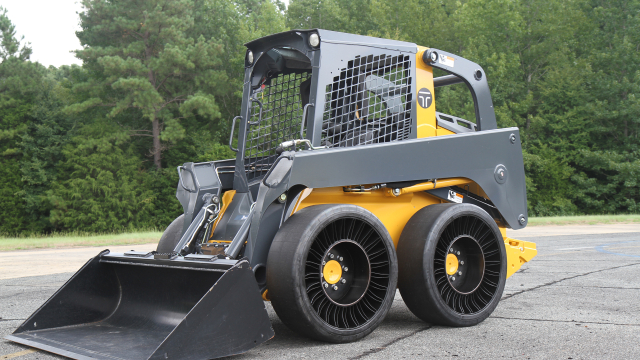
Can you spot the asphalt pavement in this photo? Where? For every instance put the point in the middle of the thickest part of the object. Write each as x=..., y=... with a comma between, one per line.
x=578, y=299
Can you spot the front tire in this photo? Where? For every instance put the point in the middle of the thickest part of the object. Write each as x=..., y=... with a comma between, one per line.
x=171, y=235
x=332, y=272
x=452, y=264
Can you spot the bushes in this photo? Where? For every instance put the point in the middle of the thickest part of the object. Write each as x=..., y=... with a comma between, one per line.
x=104, y=187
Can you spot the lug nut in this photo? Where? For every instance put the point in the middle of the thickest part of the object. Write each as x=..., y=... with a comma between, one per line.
x=461, y=262
x=343, y=281
x=458, y=253
x=341, y=258
x=460, y=273
x=331, y=256
x=453, y=278
x=335, y=287
x=323, y=262
x=346, y=268
x=326, y=285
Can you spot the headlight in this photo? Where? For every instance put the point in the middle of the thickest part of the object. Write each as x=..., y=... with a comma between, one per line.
x=314, y=40
x=249, y=57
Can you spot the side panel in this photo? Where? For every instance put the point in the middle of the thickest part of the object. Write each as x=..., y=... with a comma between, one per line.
x=474, y=156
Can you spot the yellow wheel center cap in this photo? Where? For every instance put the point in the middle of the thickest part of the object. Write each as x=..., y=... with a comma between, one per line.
x=451, y=264
x=332, y=272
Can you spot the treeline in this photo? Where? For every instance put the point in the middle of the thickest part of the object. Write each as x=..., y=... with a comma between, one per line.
x=95, y=147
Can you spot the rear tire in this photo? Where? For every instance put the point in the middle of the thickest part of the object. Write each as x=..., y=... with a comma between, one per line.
x=171, y=235
x=352, y=242
x=452, y=264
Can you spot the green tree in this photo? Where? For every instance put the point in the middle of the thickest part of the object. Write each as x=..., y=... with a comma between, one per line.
x=613, y=49
x=19, y=86
x=142, y=59
x=9, y=44
x=104, y=190
x=47, y=132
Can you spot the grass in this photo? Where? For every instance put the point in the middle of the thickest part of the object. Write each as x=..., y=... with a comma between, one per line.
x=584, y=220
x=77, y=239
x=151, y=236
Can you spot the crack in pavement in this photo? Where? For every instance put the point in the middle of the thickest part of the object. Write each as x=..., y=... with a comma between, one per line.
x=380, y=348
x=567, y=278
x=564, y=321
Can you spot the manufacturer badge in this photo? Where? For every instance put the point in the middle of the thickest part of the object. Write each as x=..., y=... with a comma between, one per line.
x=424, y=98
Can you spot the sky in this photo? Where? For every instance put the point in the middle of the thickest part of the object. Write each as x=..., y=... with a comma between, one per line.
x=50, y=26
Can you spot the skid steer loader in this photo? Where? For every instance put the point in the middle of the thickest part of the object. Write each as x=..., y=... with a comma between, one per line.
x=346, y=186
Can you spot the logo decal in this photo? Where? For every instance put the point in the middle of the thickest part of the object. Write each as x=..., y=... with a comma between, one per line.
x=424, y=98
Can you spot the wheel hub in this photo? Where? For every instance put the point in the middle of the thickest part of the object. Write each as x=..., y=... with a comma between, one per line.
x=452, y=264
x=345, y=272
x=465, y=264
x=332, y=272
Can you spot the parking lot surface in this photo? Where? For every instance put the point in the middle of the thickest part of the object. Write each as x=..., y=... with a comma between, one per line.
x=578, y=299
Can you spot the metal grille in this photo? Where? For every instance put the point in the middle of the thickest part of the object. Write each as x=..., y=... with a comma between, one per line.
x=281, y=117
x=370, y=102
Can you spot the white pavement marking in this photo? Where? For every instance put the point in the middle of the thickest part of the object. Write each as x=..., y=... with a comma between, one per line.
x=21, y=263
x=556, y=230
x=578, y=248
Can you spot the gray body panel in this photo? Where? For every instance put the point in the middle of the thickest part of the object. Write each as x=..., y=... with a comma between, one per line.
x=473, y=155
x=470, y=155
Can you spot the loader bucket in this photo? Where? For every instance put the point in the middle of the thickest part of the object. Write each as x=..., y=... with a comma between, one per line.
x=132, y=306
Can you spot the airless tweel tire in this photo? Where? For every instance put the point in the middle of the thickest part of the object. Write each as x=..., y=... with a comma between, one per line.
x=452, y=264
x=332, y=272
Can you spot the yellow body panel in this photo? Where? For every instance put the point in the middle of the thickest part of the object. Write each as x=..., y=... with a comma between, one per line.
x=518, y=253
x=394, y=212
x=442, y=131
x=226, y=200
x=424, y=79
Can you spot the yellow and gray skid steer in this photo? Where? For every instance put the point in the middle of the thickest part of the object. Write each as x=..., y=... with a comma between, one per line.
x=346, y=186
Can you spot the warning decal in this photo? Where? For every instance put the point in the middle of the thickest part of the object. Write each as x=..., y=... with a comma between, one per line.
x=455, y=197
x=446, y=60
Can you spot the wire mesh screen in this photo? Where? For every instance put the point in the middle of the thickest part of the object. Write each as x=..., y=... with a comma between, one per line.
x=282, y=104
x=370, y=102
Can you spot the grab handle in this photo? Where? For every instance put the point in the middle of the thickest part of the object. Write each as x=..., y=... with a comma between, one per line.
x=180, y=168
x=233, y=128
x=304, y=119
